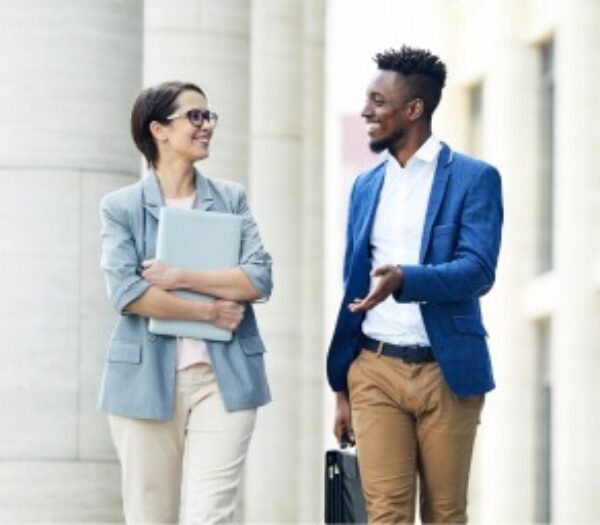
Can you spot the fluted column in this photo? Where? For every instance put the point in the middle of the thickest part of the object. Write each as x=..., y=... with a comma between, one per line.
x=206, y=42
x=276, y=185
x=575, y=328
x=312, y=358
x=70, y=71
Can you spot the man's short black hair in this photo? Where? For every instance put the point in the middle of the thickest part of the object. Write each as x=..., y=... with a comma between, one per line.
x=424, y=72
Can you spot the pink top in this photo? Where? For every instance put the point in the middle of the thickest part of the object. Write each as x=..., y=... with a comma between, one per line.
x=189, y=351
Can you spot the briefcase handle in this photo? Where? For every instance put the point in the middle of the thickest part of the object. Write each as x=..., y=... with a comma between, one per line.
x=345, y=441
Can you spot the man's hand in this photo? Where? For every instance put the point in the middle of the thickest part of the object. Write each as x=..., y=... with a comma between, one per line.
x=391, y=279
x=343, y=418
x=227, y=314
x=160, y=274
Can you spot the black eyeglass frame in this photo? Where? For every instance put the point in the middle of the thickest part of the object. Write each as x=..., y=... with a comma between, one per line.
x=205, y=115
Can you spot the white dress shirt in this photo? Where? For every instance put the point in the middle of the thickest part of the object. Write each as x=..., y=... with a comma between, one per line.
x=396, y=239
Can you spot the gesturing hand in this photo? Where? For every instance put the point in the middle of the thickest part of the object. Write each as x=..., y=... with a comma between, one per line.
x=227, y=314
x=391, y=279
x=160, y=274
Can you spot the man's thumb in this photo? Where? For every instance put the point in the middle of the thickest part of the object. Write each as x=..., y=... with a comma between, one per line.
x=380, y=271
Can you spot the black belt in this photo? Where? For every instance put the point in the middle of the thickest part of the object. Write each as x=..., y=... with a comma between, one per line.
x=409, y=353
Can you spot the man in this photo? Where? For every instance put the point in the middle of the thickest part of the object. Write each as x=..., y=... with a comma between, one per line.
x=408, y=357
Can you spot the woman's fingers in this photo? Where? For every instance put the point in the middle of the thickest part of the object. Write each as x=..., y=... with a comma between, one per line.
x=230, y=314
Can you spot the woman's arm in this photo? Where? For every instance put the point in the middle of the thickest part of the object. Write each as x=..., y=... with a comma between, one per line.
x=130, y=293
x=250, y=281
x=231, y=284
x=160, y=304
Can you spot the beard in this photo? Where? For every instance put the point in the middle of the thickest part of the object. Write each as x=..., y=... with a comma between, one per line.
x=379, y=145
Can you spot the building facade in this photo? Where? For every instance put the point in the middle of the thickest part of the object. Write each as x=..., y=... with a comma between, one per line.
x=522, y=95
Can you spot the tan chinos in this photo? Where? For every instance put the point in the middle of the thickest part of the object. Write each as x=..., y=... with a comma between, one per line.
x=409, y=424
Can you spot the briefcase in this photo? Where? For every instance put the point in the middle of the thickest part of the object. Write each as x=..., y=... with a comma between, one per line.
x=344, y=501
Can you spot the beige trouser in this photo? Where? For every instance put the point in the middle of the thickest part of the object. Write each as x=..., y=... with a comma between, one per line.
x=408, y=423
x=187, y=469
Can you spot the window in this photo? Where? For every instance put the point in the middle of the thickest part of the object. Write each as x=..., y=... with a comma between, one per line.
x=543, y=460
x=545, y=189
x=475, y=133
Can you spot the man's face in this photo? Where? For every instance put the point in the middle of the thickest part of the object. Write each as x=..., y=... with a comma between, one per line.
x=385, y=110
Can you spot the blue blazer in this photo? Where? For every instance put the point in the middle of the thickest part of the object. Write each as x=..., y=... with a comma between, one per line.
x=139, y=373
x=457, y=264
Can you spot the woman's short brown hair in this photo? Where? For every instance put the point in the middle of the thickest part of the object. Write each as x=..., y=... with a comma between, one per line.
x=155, y=103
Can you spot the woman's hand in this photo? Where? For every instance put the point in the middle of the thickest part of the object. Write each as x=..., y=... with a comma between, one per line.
x=227, y=314
x=161, y=274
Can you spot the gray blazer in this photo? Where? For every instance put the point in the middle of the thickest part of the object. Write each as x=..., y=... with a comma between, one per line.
x=139, y=374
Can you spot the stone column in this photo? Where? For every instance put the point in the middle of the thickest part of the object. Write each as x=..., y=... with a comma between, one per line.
x=285, y=171
x=575, y=328
x=206, y=42
x=70, y=72
x=312, y=357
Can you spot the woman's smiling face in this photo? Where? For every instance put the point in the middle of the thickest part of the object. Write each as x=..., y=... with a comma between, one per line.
x=182, y=139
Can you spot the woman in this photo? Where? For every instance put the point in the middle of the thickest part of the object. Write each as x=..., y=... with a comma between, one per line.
x=181, y=411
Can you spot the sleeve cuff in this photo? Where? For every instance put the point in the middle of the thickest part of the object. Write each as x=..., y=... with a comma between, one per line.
x=260, y=277
x=129, y=291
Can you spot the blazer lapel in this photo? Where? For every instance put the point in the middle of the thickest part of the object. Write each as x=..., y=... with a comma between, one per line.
x=438, y=188
x=153, y=199
x=365, y=215
x=205, y=197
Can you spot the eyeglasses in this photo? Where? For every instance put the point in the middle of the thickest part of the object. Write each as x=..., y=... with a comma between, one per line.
x=197, y=117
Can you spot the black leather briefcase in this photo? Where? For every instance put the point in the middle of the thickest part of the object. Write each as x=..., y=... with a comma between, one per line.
x=344, y=501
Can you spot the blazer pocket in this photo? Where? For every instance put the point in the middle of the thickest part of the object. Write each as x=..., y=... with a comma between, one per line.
x=252, y=345
x=469, y=325
x=444, y=229
x=125, y=352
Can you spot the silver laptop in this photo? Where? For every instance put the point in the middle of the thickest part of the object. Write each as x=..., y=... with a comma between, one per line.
x=198, y=241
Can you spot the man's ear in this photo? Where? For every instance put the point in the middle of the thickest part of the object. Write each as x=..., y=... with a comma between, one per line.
x=158, y=131
x=416, y=108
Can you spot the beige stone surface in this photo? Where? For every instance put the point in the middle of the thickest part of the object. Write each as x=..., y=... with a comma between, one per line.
x=74, y=68
x=206, y=42
x=60, y=492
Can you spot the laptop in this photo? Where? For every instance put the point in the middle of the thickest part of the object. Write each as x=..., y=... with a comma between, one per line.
x=196, y=240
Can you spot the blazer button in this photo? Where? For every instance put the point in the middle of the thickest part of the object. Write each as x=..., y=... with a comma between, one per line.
x=152, y=337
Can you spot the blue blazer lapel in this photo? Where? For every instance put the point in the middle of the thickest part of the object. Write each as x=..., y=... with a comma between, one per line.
x=438, y=188
x=367, y=201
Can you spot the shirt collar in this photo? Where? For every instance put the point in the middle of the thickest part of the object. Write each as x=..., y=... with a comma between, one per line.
x=428, y=153
x=428, y=150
